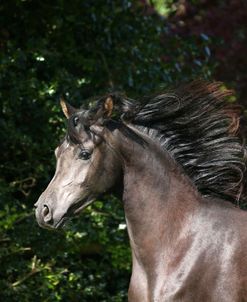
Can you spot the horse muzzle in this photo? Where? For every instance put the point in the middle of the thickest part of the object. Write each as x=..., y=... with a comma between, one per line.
x=46, y=216
x=50, y=216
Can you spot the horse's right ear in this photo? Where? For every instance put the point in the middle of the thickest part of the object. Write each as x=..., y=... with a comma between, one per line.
x=68, y=110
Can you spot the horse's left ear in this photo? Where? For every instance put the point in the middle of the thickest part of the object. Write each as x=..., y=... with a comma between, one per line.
x=108, y=106
x=68, y=110
x=104, y=110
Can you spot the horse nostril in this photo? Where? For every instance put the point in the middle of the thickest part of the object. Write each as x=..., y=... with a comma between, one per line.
x=46, y=213
x=45, y=210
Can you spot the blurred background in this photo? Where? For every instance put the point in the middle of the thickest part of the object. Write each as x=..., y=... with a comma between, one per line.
x=84, y=49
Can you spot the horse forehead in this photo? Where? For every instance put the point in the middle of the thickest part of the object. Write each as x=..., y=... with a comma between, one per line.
x=83, y=117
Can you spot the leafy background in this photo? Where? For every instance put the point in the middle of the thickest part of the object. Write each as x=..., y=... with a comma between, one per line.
x=83, y=49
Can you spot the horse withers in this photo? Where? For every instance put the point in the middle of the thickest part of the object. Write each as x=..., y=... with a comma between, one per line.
x=179, y=161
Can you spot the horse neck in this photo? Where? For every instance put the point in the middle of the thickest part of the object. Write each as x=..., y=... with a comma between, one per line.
x=158, y=198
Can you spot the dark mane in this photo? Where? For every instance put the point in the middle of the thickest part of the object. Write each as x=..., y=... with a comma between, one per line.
x=199, y=128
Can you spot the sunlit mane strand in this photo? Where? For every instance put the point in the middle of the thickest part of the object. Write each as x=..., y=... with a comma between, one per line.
x=200, y=129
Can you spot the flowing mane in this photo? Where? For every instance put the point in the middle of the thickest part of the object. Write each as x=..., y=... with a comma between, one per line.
x=200, y=129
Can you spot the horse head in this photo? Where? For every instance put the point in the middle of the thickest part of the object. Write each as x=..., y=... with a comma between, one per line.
x=86, y=165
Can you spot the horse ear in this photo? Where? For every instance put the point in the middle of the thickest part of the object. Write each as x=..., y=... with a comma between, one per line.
x=68, y=110
x=108, y=106
x=104, y=110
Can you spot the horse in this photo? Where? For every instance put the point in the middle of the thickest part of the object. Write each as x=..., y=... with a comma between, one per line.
x=177, y=160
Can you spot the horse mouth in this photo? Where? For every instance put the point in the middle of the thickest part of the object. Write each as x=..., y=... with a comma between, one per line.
x=73, y=211
x=61, y=222
x=83, y=205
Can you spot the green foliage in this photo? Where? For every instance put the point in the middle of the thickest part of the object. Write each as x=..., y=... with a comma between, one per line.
x=80, y=49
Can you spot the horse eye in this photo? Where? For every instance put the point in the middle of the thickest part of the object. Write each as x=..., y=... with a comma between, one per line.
x=85, y=155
